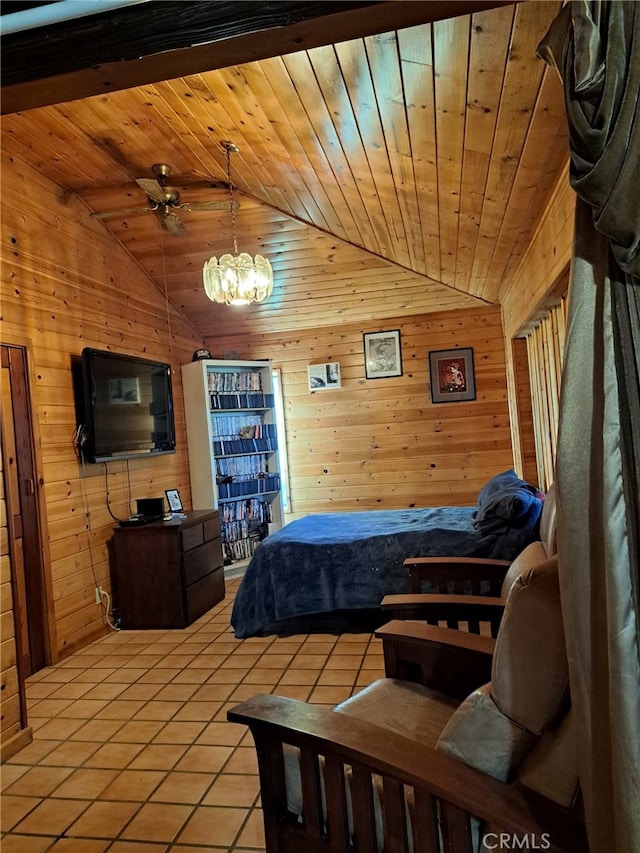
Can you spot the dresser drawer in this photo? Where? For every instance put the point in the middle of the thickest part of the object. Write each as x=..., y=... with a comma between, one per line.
x=201, y=561
x=212, y=528
x=191, y=537
x=202, y=595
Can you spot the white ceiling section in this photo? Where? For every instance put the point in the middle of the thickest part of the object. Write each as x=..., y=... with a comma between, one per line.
x=44, y=14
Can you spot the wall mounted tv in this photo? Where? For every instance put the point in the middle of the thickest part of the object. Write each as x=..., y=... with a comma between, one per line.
x=128, y=407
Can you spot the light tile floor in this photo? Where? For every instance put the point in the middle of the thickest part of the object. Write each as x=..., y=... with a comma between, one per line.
x=132, y=752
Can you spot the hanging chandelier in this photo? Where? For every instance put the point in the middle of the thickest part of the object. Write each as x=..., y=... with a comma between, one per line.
x=237, y=279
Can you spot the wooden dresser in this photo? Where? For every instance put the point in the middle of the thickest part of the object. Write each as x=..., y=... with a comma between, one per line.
x=168, y=573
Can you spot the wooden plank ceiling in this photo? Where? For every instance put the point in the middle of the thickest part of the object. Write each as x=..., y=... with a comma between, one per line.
x=384, y=176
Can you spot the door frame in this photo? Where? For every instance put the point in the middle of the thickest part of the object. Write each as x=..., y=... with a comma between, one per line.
x=42, y=609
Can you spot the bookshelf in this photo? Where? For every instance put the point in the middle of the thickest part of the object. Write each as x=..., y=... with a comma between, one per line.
x=232, y=442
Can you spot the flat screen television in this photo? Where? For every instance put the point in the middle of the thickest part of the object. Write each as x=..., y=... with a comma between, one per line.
x=128, y=407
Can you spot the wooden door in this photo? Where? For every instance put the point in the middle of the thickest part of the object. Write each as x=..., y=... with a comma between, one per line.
x=23, y=514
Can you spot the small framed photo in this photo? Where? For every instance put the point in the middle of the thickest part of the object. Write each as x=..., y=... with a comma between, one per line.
x=324, y=376
x=382, y=356
x=452, y=375
x=173, y=499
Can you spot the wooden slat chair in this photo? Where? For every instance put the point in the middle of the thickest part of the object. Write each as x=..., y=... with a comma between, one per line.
x=404, y=768
x=469, y=591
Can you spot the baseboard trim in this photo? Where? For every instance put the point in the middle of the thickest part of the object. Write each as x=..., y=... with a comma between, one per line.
x=76, y=646
x=12, y=746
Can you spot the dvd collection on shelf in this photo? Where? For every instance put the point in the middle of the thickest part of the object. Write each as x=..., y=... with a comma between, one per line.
x=245, y=524
x=241, y=401
x=248, y=467
x=256, y=486
x=241, y=444
x=235, y=434
x=240, y=441
x=241, y=390
x=230, y=381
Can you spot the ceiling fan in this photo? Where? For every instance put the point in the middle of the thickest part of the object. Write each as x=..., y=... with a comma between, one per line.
x=165, y=201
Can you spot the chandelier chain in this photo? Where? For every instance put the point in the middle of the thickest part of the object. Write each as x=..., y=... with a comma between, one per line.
x=233, y=211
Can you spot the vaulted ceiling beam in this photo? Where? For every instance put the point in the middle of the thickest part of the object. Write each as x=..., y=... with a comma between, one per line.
x=159, y=40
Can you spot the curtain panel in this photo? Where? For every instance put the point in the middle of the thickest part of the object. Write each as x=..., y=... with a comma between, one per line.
x=595, y=46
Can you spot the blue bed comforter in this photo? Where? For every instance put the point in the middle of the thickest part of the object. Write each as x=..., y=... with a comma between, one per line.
x=351, y=560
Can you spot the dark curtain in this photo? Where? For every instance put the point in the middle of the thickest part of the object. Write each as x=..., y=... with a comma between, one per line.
x=596, y=48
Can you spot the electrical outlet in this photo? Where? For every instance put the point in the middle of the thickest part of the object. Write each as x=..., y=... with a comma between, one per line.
x=98, y=595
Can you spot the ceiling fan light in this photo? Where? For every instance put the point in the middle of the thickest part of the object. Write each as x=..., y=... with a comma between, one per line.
x=238, y=279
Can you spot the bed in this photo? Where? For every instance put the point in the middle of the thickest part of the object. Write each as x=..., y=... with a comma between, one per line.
x=330, y=571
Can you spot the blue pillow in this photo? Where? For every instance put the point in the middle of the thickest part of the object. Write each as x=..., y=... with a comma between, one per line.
x=506, y=502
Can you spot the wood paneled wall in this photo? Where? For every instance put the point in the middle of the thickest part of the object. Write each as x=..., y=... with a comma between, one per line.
x=382, y=443
x=539, y=283
x=11, y=715
x=67, y=285
x=542, y=276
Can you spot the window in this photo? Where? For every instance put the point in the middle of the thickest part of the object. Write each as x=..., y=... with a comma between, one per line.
x=545, y=350
x=282, y=440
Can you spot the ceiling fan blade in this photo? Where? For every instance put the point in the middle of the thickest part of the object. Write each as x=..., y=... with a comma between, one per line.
x=210, y=205
x=124, y=211
x=173, y=225
x=152, y=189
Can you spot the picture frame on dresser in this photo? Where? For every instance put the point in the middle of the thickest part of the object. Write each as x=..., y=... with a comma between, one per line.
x=174, y=500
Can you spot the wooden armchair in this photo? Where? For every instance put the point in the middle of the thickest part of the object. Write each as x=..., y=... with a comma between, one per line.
x=395, y=768
x=469, y=591
x=358, y=760
x=452, y=661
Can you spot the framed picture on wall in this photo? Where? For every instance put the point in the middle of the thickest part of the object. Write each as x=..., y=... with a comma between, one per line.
x=452, y=375
x=382, y=356
x=324, y=376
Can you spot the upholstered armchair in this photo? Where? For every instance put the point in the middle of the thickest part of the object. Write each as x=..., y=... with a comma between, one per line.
x=402, y=766
x=469, y=590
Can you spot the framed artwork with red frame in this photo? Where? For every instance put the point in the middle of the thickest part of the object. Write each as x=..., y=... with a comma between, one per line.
x=452, y=375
